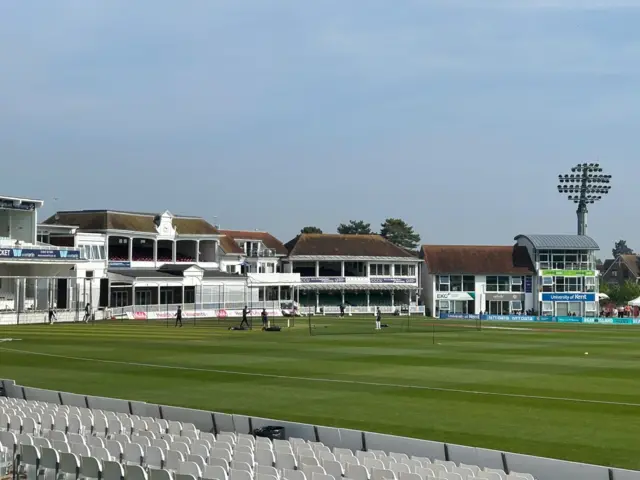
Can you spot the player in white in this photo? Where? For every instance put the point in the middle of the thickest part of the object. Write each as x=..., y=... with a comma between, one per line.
x=378, y=318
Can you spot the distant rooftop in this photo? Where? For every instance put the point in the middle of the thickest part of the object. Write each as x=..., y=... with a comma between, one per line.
x=560, y=242
x=6, y=198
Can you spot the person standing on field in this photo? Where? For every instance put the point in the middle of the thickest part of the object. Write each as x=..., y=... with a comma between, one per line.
x=244, y=318
x=378, y=319
x=179, y=316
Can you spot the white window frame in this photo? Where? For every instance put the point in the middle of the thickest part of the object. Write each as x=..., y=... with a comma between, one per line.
x=444, y=305
x=590, y=307
x=516, y=280
x=547, y=307
x=547, y=281
x=516, y=305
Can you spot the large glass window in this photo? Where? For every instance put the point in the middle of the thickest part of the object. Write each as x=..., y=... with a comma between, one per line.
x=516, y=284
x=504, y=284
x=401, y=270
x=468, y=283
x=442, y=283
x=547, y=308
x=573, y=284
x=589, y=284
x=566, y=260
x=443, y=305
x=456, y=283
x=559, y=284
x=380, y=270
x=498, y=284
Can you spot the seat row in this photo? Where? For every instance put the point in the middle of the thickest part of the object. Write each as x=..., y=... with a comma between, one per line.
x=158, y=444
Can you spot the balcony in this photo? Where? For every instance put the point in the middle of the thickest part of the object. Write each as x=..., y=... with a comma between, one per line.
x=262, y=253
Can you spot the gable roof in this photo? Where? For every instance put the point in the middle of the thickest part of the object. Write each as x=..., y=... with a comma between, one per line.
x=229, y=245
x=475, y=259
x=102, y=220
x=327, y=244
x=606, y=265
x=560, y=242
x=266, y=238
x=631, y=261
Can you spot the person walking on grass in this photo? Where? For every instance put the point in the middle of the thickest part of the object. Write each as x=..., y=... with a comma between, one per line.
x=265, y=319
x=179, y=316
x=378, y=319
x=87, y=313
x=244, y=321
x=52, y=315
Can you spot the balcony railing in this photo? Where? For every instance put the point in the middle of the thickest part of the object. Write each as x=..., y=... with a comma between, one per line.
x=266, y=252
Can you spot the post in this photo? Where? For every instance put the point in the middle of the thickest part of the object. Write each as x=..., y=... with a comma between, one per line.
x=582, y=218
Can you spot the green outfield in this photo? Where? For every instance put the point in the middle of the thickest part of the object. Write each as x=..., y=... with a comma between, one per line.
x=532, y=389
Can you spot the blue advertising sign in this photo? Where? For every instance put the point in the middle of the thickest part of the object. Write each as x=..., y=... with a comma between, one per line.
x=39, y=254
x=392, y=280
x=509, y=318
x=323, y=280
x=568, y=297
x=528, y=284
x=459, y=316
x=119, y=264
x=600, y=320
x=569, y=319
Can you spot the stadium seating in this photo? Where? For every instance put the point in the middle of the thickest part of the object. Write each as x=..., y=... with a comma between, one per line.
x=40, y=440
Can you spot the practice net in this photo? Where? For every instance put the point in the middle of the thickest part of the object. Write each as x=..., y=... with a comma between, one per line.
x=360, y=325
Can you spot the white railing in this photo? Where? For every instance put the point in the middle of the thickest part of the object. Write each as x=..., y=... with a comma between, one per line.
x=122, y=312
x=363, y=310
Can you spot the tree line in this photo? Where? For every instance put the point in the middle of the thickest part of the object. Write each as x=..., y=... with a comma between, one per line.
x=396, y=230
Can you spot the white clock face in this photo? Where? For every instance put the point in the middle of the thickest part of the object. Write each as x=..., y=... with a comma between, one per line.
x=165, y=229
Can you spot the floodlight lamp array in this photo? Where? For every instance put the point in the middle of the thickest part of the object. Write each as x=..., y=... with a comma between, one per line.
x=586, y=184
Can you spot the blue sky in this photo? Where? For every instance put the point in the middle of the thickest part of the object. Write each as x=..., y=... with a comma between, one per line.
x=454, y=115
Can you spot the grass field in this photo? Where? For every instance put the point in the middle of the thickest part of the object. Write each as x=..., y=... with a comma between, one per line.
x=531, y=391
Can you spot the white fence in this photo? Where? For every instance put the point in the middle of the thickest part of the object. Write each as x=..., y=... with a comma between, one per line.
x=27, y=300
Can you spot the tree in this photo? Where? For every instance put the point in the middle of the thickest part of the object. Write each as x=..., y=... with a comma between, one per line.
x=621, y=294
x=621, y=248
x=310, y=229
x=399, y=232
x=355, y=227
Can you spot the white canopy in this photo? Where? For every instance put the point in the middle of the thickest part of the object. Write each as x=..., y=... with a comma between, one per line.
x=635, y=302
x=602, y=296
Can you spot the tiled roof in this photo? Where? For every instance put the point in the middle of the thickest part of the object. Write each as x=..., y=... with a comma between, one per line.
x=477, y=260
x=324, y=244
x=266, y=238
x=606, y=265
x=632, y=262
x=102, y=220
x=570, y=242
x=229, y=245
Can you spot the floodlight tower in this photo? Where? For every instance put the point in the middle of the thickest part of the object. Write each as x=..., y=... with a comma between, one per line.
x=585, y=185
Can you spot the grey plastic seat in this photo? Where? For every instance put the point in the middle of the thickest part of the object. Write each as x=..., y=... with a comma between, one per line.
x=49, y=463
x=29, y=461
x=70, y=466
x=90, y=468
x=158, y=474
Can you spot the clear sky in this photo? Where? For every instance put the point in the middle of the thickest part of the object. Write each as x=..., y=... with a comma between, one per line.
x=454, y=115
